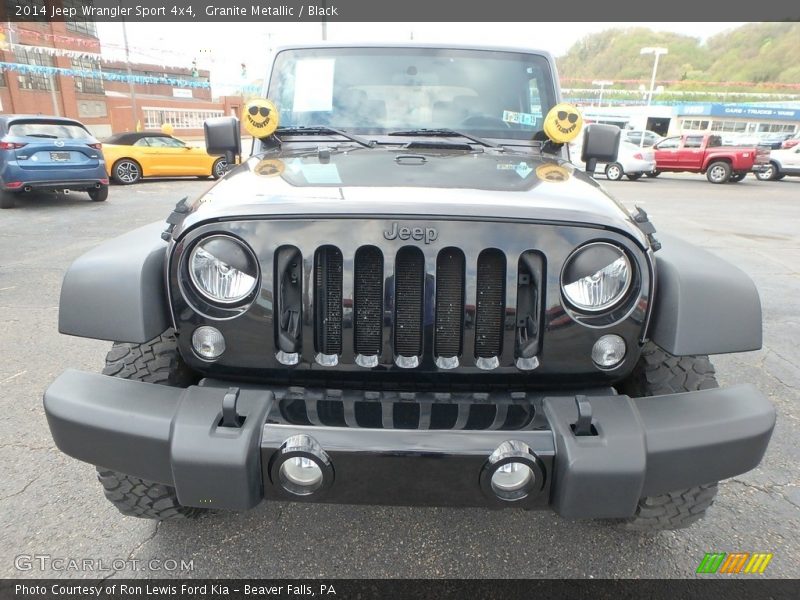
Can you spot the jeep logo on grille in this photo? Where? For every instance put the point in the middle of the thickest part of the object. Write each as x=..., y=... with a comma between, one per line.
x=428, y=234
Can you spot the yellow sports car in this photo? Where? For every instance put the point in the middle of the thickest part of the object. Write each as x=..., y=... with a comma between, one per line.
x=131, y=156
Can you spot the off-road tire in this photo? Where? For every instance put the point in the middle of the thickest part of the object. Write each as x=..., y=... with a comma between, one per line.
x=156, y=361
x=659, y=373
x=676, y=510
x=136, y=497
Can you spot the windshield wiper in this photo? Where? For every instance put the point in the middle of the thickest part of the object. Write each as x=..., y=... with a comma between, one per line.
x=321, y=130
x=43, y=135
x=439, y=132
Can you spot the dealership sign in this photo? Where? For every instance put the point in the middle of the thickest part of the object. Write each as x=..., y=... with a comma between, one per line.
x=740, y=110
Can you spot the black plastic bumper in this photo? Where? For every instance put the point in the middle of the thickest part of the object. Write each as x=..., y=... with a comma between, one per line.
x=641, y=447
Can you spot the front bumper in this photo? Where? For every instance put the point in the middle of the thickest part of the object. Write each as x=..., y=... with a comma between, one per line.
x=641, y=447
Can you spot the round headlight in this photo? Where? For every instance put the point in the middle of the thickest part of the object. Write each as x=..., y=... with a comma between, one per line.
x=596, y=277
x=223, y=269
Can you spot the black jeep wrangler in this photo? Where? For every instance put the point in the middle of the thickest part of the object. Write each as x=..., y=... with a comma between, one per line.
x=407, y=294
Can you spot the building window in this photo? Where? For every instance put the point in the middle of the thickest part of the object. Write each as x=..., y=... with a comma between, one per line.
x=86, y=83
x=29, y=10
x=694, y=125
x=35, y=81
x=729, y=126
x=775, y=128
x=179, y=118
x=86, y=27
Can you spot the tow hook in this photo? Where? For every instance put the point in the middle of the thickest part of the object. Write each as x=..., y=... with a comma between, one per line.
x=583, y=426
x=230, y=414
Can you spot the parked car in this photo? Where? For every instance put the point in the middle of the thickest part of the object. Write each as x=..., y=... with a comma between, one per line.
x=774, y=141
x=781, y=164
x=634, y=136
x=791, y=142
x=632, y=162
x=704, y=153
x=49, y=154
x=131, y=156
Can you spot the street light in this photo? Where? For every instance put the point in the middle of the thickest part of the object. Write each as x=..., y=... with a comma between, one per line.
x=657, y=52
x=602, y=85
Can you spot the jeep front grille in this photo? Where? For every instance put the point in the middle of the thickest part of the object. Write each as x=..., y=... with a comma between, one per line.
x=410, y=308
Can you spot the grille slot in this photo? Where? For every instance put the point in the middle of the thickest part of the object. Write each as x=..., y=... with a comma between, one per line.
x=408, y=295
x=368, y=300
x=387, y=411
x=449, y=302
x=328, y=300
x=490, y=303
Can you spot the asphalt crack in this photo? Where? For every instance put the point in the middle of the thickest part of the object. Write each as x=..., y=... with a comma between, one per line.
x=22, y=491
x=136, y=548
x=771, y=489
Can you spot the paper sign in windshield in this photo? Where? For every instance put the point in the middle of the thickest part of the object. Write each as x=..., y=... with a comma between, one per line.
x=509, y=116
x=313, y=85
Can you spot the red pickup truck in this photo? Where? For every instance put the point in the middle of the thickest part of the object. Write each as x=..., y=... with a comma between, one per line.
x=704, y=153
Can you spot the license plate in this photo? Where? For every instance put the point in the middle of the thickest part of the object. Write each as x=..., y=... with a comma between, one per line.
x=59, y=156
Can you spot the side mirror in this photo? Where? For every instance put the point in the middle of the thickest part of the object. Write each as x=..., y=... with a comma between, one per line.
x=223, y=137
x=600, y=144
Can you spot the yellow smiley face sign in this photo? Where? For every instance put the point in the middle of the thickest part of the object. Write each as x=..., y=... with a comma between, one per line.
x=552, y=173
x=260, y=117
x=270, y=167
x=563, y=123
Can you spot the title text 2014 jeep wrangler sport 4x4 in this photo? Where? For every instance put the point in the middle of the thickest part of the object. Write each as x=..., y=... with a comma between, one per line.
x=408, y=295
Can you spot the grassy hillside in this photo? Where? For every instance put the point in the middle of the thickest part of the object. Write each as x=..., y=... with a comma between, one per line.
x=756, y=54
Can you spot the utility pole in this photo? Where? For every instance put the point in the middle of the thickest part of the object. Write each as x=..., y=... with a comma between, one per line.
x=131, y=87
x=657, y=52
x=602, y=85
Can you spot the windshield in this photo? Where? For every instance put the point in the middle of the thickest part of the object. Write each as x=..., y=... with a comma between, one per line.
x=379, y=90
x=51, y=129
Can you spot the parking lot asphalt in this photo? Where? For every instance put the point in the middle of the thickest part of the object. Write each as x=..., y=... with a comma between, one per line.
x=52, y=506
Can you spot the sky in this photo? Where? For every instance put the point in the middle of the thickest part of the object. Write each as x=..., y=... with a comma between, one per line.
x=222, y=47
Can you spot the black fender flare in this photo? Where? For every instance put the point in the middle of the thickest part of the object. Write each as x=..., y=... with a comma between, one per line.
x=117, y=291
x=703, y=304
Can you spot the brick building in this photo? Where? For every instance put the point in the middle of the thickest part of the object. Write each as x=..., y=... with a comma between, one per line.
x=104, y=106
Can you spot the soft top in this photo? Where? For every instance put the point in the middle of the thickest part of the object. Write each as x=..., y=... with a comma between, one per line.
x=131, y=137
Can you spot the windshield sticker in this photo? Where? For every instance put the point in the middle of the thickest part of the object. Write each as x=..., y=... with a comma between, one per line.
x=522, y=168
x=509, y=116
x=313, y=85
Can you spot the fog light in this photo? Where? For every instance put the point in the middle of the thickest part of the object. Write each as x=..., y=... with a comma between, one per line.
x=301, y=466
x=511, y=477
x=512, y=473
x=302, y=474
x=608, y=351
x=208, y=342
